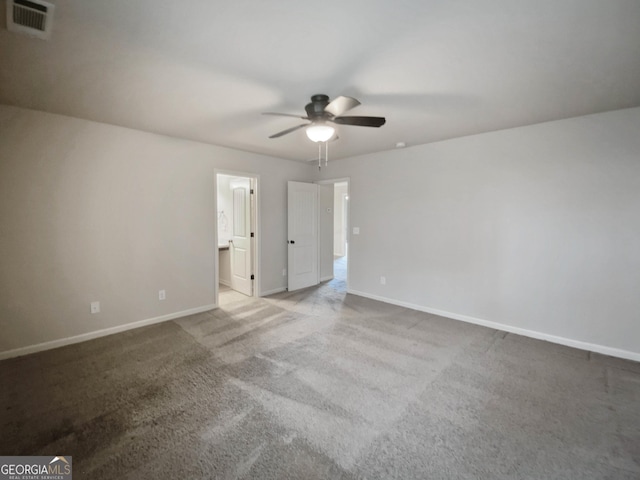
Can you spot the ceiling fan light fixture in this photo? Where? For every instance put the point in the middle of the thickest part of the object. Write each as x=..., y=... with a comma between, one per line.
x=320, y=132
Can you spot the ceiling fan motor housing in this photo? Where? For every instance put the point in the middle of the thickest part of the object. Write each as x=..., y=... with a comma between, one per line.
x=315, y=109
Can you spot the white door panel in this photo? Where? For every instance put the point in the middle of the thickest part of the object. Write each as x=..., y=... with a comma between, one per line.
x=240, y=245
x=302, y=203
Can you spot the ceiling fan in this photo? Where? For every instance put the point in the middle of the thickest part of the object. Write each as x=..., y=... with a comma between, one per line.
x=321, y=112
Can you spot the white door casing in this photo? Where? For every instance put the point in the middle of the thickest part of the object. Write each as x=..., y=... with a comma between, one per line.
x=326, y=220
x=302, y=201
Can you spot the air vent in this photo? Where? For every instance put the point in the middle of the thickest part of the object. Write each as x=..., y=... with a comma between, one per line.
x=33, y=17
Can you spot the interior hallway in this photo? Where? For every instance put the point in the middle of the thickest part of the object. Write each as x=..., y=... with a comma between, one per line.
x=321, y=384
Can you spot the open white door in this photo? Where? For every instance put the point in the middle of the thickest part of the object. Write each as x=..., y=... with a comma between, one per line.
x=240, y=244
x=302, y=242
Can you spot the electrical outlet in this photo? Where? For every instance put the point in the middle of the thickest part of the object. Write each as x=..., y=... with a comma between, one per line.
x=383, y=280
x=95, y=307
x=162, y=294
x=356, y=230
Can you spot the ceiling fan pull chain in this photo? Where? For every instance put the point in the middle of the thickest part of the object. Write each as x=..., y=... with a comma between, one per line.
x=319, y=156
x=326, y=153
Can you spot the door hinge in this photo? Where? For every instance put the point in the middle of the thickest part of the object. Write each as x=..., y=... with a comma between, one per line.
x=253, y=277
x=251, y=191
x=251, y=234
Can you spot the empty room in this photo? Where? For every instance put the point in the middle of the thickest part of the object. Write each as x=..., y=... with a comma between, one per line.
x=294, y=240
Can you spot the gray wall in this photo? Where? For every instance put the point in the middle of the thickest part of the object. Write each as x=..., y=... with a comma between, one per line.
x=96, y=212
x=533, y=229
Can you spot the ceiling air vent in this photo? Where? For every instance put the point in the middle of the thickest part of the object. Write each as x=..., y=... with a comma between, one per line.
x=33, y=17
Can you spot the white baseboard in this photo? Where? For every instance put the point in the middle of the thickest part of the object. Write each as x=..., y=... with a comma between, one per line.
x=18, y=352
x=224, y=282
x=591, y=347
x=275, y=290
x=324, y=279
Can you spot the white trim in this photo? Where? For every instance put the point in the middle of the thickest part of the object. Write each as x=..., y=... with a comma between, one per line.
x=333, y=180
x=592, y=347
x=324, y=279
x=275, y=290
x=225, y=283
x=346, y=180
x=18, y=352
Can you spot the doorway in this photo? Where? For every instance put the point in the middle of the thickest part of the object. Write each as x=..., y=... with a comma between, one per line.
x=336, y=245
x=340, y=232
x=317, y=240
x=236, y=205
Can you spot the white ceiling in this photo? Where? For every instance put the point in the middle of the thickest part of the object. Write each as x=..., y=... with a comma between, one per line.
x=205, y=70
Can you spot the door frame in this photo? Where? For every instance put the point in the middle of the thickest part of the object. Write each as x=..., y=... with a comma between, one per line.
x=255, y=223
x=348, y=219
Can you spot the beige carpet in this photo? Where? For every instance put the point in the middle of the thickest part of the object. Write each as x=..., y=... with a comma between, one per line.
x=319, y=384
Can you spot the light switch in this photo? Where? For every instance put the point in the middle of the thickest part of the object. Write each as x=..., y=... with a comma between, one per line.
x=356, y=230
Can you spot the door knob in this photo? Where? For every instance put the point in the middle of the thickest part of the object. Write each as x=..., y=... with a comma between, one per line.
x=292, y=241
